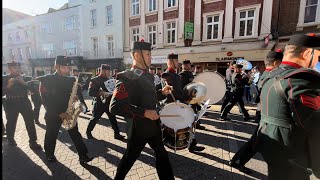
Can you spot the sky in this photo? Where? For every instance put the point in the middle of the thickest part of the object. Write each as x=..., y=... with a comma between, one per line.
x=32, y=7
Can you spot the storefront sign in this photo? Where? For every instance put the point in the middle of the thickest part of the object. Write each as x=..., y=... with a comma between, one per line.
x=228, y=58
x=252, y=55
x=188, y=30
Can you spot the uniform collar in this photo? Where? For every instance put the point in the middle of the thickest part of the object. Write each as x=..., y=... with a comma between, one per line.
x=288, y=63
x=268, y=69
x=172, y=70
x=144, y=71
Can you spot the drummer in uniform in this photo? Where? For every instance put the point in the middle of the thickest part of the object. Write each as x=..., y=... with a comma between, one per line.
x=101, y=100
x=135, y=98
x=186, y=78
x=171, y=78
x=15, y=88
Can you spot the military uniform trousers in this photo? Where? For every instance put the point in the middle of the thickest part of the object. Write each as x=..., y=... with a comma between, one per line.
x=36, y=106
x=98, y=110
x=226, y=100
x=137, y=139
x=53, y=124
x=235, y=98
x=276, y=156
x=248, y=150
x=23, y=106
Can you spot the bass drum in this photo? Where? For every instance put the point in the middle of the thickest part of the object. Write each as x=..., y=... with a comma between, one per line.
x=215, y=84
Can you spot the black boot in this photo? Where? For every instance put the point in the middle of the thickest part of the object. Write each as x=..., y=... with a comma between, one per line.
x=85, y=159
x=89, y=135
x=118, y=136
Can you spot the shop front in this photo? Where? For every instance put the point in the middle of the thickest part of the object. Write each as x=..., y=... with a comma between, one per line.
x=218, y=61
x=46, y=65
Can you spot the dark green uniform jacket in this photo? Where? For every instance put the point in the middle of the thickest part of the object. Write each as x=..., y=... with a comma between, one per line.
x=290, y=123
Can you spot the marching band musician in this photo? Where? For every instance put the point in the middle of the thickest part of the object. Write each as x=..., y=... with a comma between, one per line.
x=186, y=78
x=75, y=73
x=237, y=89
x=152, y=70
x=171, y=77
x=35, y=97
x=135, y=98
x=159, y=72
x=249, y=149
x=15, y=88
x=98, y=89
x=55, y=90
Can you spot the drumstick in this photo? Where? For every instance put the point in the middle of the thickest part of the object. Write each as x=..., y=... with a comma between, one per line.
x=170, y=115
x=174, y=99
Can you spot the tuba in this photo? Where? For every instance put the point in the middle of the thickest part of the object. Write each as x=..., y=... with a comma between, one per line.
x=74, y=109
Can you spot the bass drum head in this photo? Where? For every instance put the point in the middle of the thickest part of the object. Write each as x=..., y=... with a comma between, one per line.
x=215, y=84
x=184, y=119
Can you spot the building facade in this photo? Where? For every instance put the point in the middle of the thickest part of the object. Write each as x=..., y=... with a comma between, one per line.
x=210, y=33
x=89, y=31
x=18, y=44
x=102, y=32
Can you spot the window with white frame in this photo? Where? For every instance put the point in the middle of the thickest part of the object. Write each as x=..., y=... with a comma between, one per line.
x=171, y=32
x=95, y=46
x=212, y=27
x=152, y=5
x=93, y=15
x=70, y=48
x=46, y=27
x=109, y=15
x=29, y=52
x=135, y=7
x=20, y=54
x=11, y=53
x=69, y=23
x=312, y=6
x=152, y=35
x=171, y=3
x=110, y=46
x=247, y=20
x=9, y=37
x=47, y=50
x=135, y=34
x=18, y=37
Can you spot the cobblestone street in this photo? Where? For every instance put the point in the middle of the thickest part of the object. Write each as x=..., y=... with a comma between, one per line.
x=221, y=140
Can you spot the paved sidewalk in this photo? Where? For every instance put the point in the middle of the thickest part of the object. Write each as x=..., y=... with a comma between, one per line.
x=221, y=139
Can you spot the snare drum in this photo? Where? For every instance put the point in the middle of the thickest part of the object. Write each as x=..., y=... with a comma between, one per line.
x=177, y=119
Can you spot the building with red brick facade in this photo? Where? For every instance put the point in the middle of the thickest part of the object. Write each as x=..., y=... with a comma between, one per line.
x=211, y=33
